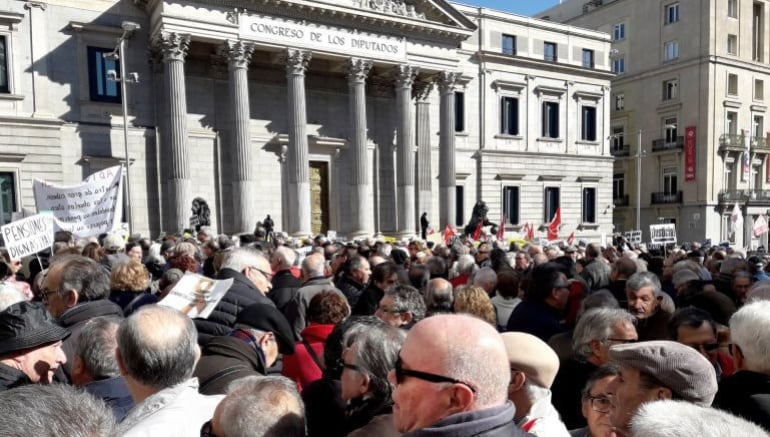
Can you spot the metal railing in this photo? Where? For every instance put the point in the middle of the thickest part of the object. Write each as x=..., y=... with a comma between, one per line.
x=620, y=150
x=621, y=201
x=742, y=196
x=663, y=197
x=663, y=144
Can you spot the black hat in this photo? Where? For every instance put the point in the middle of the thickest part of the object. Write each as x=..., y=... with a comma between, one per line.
x=266, y=317
x=27, y=325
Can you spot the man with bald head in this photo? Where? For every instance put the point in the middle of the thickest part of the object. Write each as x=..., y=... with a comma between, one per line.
x=443, y=389
x=157, y=352
x=314, y=281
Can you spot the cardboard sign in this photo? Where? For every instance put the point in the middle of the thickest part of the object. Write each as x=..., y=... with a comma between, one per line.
x=28, y=235
x=90, y=208
x=663, y=234
x=633, y=237
x=196, y=295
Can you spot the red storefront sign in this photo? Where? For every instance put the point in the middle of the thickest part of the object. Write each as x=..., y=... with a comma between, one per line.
x=689, y=153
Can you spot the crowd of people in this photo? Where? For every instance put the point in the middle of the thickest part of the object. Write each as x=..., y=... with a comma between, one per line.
x=322, y=338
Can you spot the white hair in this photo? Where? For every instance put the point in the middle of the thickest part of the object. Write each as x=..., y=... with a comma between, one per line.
x=670, y=418
x=486, y=278
x=268, y=406
x=10, y=295
x=385, y=250
x=748, y=329
x=285, y=256
x=759, y=291
x=597, y=324
x=465, y=265
x=240, y=258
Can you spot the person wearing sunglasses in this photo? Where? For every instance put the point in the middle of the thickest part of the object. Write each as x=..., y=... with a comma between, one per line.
x=696, y=328
x=443, y=386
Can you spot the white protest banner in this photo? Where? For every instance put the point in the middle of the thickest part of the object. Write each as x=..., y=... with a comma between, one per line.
x=196, y=295
x=663, y=234
x=633, y=237
x=89, y=208
x=28, y=235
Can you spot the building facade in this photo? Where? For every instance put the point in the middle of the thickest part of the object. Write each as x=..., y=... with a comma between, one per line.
x=354, y=116
x=690, y=82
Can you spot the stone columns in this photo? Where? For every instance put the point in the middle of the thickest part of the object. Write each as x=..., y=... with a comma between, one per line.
x=446, y=155
x=297, y=156
x=176, y=170
x=405, y=75
x=422, y=116
x=360, y=207
x=238, y=56
x=38, y=57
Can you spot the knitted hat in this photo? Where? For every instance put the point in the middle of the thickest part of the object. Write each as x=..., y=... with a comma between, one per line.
x=26, y=325
x=678, y=367
x=532, y=356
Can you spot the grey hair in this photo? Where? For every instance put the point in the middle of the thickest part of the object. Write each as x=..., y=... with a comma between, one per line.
x=158, y=346
x=96, y=347
x=748, y=329
x=90, y=279
x=596, y=324
x=486, y=278
x=639, y=280
x=669, y=418
x=407, y=298
x=376, y=353
x=54, y=410
x=439, y=295
x=240, y=258
x=285, y=256
x=759, y=291
x=313, y=265
x=465, y=265
x=268, y=406
x=10, y=295
x=385, y=250
x=598, y=299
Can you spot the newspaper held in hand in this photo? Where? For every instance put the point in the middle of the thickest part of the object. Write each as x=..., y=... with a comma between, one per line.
x=196, y=295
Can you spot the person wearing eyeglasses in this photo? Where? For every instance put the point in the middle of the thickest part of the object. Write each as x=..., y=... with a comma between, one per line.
x=451, y=379
x=596, y=403
x=368, y=357
x=696, y=328
x=533, y=367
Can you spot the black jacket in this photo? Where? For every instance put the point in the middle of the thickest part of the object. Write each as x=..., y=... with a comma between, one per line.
x=566, y=391
x=223, y=360
x=12, y=378
x=114, y=392
x=351, y=289
x=285, y=286
x=324, y=408
x=368, y=301
x=746, y=394
x=240, y=295
x=77, y=316
x=537, y=319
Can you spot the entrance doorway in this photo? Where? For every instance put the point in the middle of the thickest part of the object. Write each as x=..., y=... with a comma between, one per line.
x=319, y=197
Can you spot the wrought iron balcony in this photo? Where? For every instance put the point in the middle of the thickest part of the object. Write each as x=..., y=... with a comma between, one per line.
x=662, y=144
x=663, y=197
x=735, y=143
x=620, y=201
x=761, y=197
x=620, y=151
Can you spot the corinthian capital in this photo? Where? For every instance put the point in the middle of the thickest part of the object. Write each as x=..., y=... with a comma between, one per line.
x=358, y=69
x=296, y=61
x=237, y=53
x=173, y=46
x=447, y=80
x=405, y=75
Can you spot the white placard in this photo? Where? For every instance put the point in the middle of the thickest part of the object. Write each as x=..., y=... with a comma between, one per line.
x=196, y=295
x=28, y=235
x=633, y=237
x=89, y=208
x=321, y=38
x=663, y=234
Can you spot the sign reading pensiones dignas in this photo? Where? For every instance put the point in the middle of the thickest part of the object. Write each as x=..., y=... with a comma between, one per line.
x=661, y=235
x=322, y=38
x=633, y=237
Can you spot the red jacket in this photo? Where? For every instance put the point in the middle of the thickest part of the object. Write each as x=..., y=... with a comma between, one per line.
x=300, y=366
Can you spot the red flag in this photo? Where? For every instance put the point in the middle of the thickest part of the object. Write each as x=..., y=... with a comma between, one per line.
x=448, y=234
x=477, y=232
x=501, y=229
x=571, y=238
x=528, y=231
x=553, y=228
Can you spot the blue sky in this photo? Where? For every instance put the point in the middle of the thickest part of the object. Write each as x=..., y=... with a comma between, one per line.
x=522, y=7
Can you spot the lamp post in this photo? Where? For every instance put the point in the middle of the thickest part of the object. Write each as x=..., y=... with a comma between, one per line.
x=118, y=53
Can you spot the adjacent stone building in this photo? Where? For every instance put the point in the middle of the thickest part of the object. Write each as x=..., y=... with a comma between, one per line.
x=349, y=115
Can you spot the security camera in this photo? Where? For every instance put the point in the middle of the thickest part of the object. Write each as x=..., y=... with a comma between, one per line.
x=130, y=26
x=133, y=77
x=112, y=75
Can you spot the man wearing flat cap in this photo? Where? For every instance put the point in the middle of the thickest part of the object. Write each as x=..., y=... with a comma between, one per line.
x=533, y=368
x=657, y=370
x=30, y=345
x=261, y=332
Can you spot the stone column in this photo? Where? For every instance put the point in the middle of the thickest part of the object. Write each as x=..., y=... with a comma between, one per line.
x=297, y=156
x=446, y=155
x=405, y=75
x=178, y=199
x=38, y=57
x=244, y=192
x=360, y=207
x=422, y=116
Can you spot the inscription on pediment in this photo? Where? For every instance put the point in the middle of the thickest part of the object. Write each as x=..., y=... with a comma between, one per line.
x=395, y=7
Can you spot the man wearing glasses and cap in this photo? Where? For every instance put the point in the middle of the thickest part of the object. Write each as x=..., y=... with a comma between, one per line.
x=442, y=388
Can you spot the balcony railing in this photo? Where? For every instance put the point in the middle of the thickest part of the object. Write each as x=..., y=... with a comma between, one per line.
x=662, y=144
x=663, y=197
x=620, y=201
x=735, y=142
x=742, y=196
x=620, y=150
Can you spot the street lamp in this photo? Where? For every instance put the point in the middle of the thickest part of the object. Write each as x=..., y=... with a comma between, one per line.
x=129, y=28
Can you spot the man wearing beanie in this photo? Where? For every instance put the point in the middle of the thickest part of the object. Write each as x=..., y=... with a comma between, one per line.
x=30, y=345
x=533, y=368
x=657, y=370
